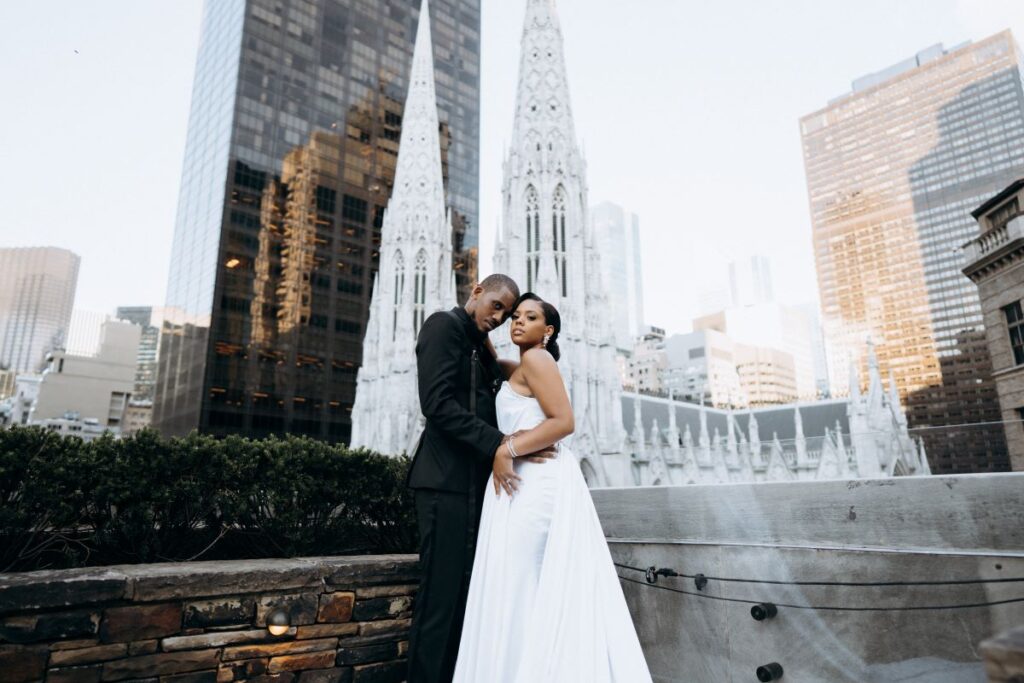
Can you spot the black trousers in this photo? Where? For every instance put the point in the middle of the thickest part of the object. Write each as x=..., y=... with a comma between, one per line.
x=448, y=524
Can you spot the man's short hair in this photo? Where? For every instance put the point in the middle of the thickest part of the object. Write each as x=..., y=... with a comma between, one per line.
x=498, y=281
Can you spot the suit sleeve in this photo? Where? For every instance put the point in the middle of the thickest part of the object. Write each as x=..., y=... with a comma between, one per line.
x=438, y=356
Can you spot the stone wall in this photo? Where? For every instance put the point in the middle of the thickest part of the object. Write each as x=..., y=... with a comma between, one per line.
x=205, y=622
x=1000, y=289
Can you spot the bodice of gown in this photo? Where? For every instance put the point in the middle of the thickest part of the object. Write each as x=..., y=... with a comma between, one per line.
x=515, y=411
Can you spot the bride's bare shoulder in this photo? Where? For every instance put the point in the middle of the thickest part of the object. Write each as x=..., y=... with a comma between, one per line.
x=538, y=360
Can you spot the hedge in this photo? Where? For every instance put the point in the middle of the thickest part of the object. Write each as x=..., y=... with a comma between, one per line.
x=69, y=503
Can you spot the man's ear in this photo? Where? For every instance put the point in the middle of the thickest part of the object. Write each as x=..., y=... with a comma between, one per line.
x=477, y=291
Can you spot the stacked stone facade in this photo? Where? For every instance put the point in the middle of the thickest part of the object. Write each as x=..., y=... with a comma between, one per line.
x=205, y=622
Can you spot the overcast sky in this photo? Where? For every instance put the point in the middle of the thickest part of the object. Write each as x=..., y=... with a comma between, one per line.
x=687, y=110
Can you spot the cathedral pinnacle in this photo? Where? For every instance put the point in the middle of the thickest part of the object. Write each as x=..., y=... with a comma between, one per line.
x=415, y=278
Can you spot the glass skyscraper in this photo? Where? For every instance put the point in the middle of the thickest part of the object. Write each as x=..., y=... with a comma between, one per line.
x=292, y=145
x=617, y=234
x=150, y=320
x=37, y=291
x=894, y=169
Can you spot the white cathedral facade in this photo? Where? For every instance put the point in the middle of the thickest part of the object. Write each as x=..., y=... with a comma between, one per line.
x=546, y=246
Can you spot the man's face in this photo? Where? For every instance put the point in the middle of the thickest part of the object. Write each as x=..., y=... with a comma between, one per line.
x=492, y=308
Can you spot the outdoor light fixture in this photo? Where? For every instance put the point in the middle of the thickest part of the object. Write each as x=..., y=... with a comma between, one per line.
x=277, y=623
x=232, y=263
x=765, y=610
x=769, y=672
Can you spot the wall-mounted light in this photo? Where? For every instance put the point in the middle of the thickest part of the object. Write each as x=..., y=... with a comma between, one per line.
x=769, y=672
x=232, y=263
x=277, y=622
x=765, y=610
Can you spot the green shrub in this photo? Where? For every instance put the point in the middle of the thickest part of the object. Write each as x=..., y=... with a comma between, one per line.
x=146, y=499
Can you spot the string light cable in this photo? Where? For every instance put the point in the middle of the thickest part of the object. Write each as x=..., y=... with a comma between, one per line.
x=651, y=575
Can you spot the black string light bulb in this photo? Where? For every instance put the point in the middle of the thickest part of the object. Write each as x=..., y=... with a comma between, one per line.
x=769, y=672
x=764, y=610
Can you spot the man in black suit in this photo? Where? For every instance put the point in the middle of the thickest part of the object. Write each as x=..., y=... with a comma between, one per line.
x=458, y=378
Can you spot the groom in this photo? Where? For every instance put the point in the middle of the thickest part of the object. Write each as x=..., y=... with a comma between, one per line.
x=451, y=465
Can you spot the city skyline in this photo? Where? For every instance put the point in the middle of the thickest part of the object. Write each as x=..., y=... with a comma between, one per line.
x=619, y=169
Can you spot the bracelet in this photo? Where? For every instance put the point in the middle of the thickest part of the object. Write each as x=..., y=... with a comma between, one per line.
x=511, y=447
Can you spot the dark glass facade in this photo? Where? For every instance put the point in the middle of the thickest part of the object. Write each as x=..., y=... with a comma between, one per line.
x=291, y=153
x=145, y=371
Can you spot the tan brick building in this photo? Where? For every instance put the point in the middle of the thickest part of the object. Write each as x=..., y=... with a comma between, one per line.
x=995, y=262
x=894, y=168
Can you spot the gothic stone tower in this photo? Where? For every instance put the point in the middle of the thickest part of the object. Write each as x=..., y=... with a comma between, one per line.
x=415, y=277
x=546, y=246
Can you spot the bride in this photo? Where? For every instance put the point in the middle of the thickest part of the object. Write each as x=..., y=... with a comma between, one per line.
x=545, y=602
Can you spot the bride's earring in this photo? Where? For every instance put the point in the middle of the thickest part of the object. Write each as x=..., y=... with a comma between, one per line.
x=544, y=344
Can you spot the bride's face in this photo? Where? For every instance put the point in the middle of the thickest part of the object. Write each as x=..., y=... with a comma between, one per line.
x=528, y=325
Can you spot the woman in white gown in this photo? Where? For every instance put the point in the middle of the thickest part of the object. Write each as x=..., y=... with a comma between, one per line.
x=545, y=602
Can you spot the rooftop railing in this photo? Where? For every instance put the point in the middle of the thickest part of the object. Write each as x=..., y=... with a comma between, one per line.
x=989, y=242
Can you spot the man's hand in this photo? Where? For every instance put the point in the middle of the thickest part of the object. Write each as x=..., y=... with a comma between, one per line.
x=541, y=456
x=503, y=473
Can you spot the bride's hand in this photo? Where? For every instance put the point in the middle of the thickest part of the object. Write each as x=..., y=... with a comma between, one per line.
x=503, y=473
x=541, y=456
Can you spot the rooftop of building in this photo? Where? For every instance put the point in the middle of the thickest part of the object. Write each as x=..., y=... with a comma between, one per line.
x=904, y=69
x=772, y=421
x=1010, y=190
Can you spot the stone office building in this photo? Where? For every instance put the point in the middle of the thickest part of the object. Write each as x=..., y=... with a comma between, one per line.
x=995, y=263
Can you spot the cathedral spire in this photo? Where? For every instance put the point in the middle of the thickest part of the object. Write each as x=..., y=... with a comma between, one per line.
x=415, y=278
x=542, y=243
x=418, y=176
x=543, y=112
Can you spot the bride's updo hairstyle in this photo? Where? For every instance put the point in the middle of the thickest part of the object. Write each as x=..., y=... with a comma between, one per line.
x=551, y=317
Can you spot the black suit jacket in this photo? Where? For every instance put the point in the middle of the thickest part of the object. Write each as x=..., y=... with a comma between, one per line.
x=457, y=447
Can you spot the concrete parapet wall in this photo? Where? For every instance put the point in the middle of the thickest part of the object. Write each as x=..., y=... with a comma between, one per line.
x=901, y=531
x=205, y=622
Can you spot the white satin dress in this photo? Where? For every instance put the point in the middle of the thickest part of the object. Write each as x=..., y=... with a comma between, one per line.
x=545, y=602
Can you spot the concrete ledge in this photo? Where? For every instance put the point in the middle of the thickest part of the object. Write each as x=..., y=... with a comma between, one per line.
x=974, y=512
x=61, y=588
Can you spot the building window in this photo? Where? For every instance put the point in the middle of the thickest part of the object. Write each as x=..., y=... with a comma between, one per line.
x=420, y=295
x=399, y=286
x=532, y=237
x=1015, y=326
x=558, y=228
